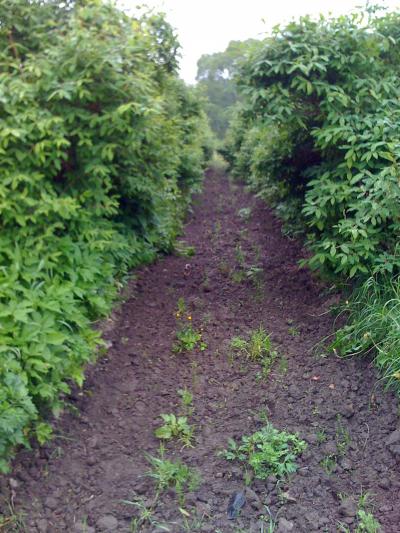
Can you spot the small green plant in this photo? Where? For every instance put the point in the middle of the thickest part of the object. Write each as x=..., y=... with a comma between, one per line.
x=194, y=370
x=187, y=339
x=176, y=475
x=245, y=213
x=175, y=427
x=191, y=523
x=184, y=250
x=329, y=464
x=269, y=521
x=254, y=273
x=293, y=331
x=263, y=415
x=257, y=348
x=321, y=436
x=283, y=365
x=343, y=438
x=238, y=276
x=13, y=522
x=240, y=256
x=267, y=451
x=366, y=522
x=186, y=398
x=181, y=308
x=145, y=517
x=257, y=252
x=247, y=477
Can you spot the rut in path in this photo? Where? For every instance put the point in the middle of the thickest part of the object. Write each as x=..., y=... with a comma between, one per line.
x=77, y=483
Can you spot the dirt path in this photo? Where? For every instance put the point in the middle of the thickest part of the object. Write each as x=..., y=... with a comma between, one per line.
x=80, y=480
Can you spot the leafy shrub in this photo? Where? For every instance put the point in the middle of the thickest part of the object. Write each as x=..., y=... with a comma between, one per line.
x=321, y=125
x=101, y=147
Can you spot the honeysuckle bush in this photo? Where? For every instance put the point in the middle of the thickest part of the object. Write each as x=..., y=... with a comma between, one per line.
x=318, y=136
x=101, y=147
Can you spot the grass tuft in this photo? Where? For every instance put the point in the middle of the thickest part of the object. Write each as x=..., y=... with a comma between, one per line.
x=374, y=326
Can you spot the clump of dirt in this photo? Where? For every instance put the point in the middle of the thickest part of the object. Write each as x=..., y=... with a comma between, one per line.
x=244, y=274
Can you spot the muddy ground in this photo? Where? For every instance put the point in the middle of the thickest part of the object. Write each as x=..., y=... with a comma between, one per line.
x=80, y=480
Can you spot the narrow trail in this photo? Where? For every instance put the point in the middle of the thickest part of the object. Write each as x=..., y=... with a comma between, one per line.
x=78, y=482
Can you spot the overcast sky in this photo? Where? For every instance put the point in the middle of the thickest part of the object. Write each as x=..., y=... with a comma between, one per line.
x=207, y=26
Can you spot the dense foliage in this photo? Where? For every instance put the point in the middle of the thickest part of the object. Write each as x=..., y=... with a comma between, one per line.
x=318, y=136
x=101, y=146
x=321, y=128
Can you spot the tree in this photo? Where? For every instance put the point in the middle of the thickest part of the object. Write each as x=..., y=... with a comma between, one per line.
x=215, y=77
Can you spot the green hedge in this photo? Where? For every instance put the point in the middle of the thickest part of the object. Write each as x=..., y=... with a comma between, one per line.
x=321, y=125
x=101, y=146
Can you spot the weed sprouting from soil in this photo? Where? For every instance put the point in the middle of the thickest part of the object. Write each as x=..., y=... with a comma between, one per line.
x=180, y=308
x=283, y=365
x=293, y=331
x=187, y=339
x=145, y=517
x=267, y=451
x=186, y=400
x=321, y=436
x=240, y=255
x=366, y=522
x=343, y=438
x=329, y=464
x=191, y=523
x=175, y=427
x=13, y=522
x=170, y=474
x=184, y=250
x=257, y=348
x=245, y=213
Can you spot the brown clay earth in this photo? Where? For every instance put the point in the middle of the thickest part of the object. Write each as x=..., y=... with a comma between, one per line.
x=79, y=481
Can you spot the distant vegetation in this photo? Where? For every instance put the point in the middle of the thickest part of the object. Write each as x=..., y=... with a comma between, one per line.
x=101, y=147
x=318, y=136
x=216, y=81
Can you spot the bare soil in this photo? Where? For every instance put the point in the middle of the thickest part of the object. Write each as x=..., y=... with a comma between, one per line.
x=79, y=481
